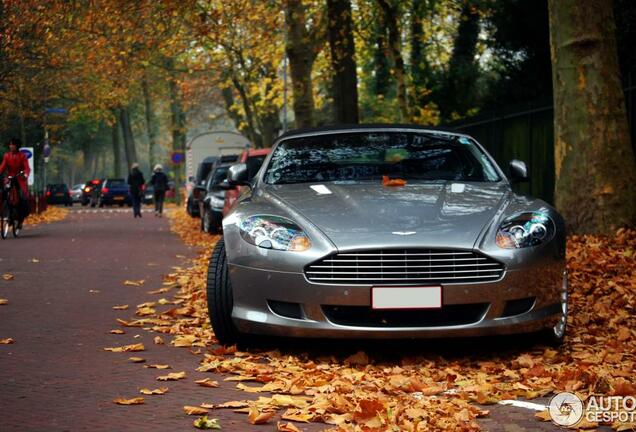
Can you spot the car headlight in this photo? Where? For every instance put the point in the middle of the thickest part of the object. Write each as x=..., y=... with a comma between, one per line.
x=274, y=232
x=525, y=230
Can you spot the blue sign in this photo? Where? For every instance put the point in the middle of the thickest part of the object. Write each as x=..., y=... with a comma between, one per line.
x=50, y=110
x=27, y=152
x=178, y=157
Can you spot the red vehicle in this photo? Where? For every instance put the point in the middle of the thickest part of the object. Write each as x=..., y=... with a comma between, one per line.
x=253, y=159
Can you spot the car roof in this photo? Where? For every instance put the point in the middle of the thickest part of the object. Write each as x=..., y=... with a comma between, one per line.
x=257, y=152
x=375, y=127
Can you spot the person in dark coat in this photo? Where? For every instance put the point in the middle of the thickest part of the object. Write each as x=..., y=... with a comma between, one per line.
x=159, y=182
x=136, y=183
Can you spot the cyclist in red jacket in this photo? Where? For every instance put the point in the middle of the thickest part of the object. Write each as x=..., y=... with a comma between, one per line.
x=15, y=163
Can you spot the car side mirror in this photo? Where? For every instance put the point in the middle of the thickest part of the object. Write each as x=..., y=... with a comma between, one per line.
x=518, y=171
x=237, y=175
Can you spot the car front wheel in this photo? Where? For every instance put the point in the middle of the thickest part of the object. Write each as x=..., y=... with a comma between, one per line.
x=220, y=300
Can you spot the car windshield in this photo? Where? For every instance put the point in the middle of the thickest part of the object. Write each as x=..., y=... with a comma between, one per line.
x=58, y=188
x=218, y=176
x=363, y=156
x=119, y=183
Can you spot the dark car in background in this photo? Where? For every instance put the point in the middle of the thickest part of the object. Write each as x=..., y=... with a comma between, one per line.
x=114, y=192
x=211, y=205
x=203, y=170
x=253, y=159
x=149, y=194
x=90, y=193
x=58, y=194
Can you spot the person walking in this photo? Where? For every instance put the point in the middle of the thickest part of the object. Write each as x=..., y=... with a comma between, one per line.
x=136, y=183
x=159, y=182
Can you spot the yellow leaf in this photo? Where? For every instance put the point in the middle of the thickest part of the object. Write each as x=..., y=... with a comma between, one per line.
x=137, y=359
x=172, y=376
x=194, y=410
x=259, y=417
x=4, y=301
x=120, y=307
x=158, y=366
x=158, y=340
x=117, y=331
x=8, y=276
x=134, y=283
x=133, y=401
x=127, y=348
x=207, y=382
x=6, y=341
x=286, y=427
x=158, y=391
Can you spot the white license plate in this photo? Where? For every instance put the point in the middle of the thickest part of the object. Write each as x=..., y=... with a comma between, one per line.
x=119, y=198
x=412, y=297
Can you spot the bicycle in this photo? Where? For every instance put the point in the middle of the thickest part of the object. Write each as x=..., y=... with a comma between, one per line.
x=10, y=216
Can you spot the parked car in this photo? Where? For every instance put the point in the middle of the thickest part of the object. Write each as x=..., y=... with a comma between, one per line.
x=253, y=159
x=114, y=191
x=76, y=192
x=211, y=205
x=90, y=193
x=192, y=204
x=58, y=194
x=149, y=194
x=386, y=232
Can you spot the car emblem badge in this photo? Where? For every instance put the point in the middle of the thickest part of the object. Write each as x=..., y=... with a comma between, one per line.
x=403, y=233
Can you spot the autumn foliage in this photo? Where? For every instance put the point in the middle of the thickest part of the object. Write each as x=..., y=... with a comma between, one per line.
x=425, y=389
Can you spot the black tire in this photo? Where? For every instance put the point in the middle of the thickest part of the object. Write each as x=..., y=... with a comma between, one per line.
x=204, y=222
x=4, y=223
x=220, y=300
x=16, y=228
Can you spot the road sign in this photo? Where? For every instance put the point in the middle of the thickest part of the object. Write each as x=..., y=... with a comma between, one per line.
x=55, y=110
x=177, y=157
x=28, y=151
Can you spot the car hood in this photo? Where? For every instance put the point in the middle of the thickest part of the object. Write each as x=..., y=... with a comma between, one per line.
x=370, y=215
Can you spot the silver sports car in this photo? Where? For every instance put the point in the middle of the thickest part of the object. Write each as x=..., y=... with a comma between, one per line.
x=386, y=232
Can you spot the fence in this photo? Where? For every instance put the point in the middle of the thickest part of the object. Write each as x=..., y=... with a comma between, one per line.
x=528, y=134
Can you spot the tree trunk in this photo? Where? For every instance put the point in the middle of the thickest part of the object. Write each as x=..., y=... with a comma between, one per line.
x=594, y=161
x=178, y=124
x=390, y=12
x=420, y=67
x=301, y=52
x=459, y=89
x=116, y=152
x=345, y=86
x=150, y=123
x=381, y=66
x=129, y=139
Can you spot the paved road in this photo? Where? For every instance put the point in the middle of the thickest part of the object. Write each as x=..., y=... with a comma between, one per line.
x=56, y=377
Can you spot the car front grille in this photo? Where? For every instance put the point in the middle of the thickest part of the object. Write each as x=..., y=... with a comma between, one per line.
x=405, y=267
x=364, y=316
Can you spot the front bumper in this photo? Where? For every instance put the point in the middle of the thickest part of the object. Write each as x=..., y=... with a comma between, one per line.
x=256, y=290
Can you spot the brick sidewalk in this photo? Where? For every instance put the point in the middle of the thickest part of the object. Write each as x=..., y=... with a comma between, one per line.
x=57, y=377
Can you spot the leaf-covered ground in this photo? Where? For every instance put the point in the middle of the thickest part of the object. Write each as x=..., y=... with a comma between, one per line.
x=377, y=389
x=51, y=214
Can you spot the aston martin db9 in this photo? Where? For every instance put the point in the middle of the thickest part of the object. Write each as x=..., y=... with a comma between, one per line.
x=386, y=232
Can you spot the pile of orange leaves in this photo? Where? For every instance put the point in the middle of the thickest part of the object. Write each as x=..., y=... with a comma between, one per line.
x=51, y=214
x=421, y=391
